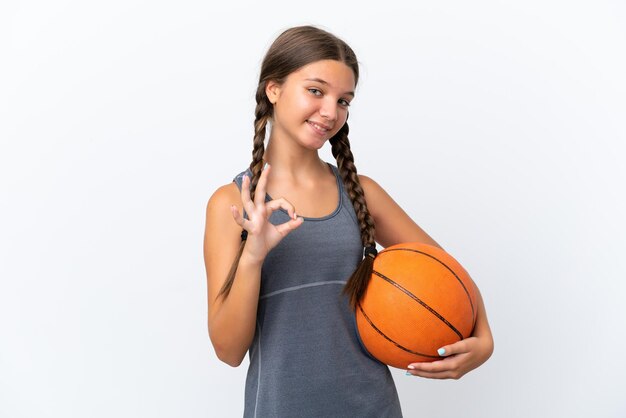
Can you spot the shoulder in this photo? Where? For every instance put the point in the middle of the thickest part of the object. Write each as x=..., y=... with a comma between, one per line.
x=368, y=182
x=218, y=206
x=221, y=231
x=378, y=200
x=225, y=196
x=374, y=192
x=393, y=224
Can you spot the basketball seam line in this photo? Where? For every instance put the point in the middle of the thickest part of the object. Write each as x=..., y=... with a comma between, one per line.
x=390, y=340
x=469, y=298
x=421, y=302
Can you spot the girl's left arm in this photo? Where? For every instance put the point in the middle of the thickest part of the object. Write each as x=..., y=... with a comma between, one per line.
x=394, y=226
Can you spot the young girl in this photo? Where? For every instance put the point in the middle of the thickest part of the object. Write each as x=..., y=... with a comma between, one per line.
x=285, y=242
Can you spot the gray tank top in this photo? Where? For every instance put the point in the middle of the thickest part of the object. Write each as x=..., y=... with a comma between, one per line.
x=306, y=359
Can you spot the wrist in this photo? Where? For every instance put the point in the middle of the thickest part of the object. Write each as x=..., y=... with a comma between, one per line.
x=250, y=260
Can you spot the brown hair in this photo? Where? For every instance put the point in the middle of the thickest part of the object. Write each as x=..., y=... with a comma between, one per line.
x=292, y=50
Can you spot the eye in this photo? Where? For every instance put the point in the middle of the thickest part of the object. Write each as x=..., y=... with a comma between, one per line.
x=344, y=102
x=315, y=92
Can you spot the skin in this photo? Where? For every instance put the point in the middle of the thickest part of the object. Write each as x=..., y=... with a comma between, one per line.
x=309, y=108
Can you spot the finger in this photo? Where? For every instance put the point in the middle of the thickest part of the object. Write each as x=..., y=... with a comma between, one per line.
x=458, y=347
x=261, y=186
x=438, y=371
x=441, y=369
x=442, y=375
x=287, y=227
x=245, y=194
x=431, y=367
x=237, y=215
x=283, y=203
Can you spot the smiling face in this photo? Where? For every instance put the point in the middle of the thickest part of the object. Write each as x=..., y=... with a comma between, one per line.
x=312, y=104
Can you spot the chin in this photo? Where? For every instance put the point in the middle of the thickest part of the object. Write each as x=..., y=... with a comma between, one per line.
x=313, y=143
x=316, y=146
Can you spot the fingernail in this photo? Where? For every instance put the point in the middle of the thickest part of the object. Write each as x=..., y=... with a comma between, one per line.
x=411, y=367
x=295, y=216
x=441, y=351
x=408, y=373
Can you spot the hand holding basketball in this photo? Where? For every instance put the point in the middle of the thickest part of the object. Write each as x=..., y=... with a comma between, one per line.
x=459, y=359
x=262, y=234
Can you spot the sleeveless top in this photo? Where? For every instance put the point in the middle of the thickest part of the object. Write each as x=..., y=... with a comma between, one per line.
x=306, y=359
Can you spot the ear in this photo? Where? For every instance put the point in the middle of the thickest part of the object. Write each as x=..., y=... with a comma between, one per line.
x=272, y=90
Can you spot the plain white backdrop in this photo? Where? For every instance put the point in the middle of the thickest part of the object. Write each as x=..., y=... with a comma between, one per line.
x=498, y=126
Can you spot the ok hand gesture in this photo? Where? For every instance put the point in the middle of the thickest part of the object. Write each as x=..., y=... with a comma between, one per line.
x=262, y=234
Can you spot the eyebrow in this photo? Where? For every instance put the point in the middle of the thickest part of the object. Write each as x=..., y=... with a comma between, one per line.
x=319, y=80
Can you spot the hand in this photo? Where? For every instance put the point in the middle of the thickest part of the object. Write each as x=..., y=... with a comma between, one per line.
x=460, y=358
x=262, y=234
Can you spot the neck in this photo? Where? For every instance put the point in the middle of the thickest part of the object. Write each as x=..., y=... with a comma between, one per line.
x=289, y=159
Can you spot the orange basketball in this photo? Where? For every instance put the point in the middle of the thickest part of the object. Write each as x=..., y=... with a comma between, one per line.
x=418, y=299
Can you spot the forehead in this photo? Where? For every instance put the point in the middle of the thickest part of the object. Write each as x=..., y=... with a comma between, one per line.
x=335, y=74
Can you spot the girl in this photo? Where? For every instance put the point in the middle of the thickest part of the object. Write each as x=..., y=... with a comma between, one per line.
x=298, y=237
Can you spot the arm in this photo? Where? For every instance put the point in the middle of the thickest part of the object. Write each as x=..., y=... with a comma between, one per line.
x=394, y=226
x=232, y=319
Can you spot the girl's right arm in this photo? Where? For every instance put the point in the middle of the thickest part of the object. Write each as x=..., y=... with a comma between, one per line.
x=232, y=319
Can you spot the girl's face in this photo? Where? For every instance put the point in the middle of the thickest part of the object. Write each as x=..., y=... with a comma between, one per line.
x=312, y=104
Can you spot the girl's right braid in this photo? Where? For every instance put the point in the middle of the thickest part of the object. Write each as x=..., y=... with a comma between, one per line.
x=357, y=284
x=262, y=113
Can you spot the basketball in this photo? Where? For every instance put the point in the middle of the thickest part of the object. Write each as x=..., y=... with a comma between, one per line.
x=418, y=299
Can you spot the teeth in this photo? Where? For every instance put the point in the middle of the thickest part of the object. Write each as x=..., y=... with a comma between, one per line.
x=321, y=128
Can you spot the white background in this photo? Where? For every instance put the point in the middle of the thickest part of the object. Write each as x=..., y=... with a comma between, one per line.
x=499, y=126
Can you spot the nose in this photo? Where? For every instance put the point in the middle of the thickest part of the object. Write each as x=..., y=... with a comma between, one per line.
x=329, y=110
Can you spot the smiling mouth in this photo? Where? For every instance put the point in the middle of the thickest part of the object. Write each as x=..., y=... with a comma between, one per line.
x=320, y=129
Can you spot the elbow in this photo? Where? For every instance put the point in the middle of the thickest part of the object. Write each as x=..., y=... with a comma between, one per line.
x=228, y=357
x=491, y=347
x=227, y=354
x=489, y=344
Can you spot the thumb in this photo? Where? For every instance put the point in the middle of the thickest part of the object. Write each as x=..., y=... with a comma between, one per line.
x=455, y=348
x=285, y=228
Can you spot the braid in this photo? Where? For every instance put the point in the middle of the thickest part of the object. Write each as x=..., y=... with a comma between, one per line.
x=263, y=113
x=357, y=284
x=345, y=162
